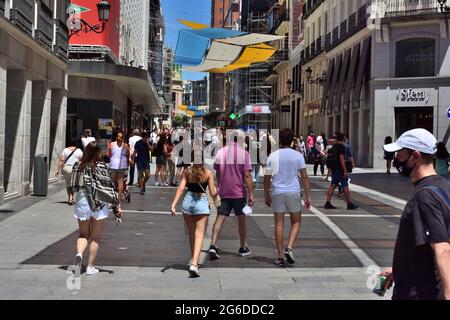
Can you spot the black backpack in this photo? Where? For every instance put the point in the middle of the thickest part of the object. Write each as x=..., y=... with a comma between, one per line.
x=332, y=159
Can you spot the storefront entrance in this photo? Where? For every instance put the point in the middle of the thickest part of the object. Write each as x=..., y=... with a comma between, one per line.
x=407, y=118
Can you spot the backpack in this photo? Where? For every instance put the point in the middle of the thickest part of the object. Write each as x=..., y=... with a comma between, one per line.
x=332, y=159
x=441, y=193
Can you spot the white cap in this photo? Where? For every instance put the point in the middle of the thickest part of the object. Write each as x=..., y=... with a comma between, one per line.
x=417, y=139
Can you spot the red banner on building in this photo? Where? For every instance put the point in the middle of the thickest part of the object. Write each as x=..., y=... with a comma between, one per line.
x=87, y=10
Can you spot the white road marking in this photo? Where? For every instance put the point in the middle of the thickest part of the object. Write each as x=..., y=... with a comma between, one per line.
x=379, y=196
x=309, y=215
x=352, y=246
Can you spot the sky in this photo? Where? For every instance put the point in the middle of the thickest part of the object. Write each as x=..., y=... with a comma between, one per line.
x=191, y=10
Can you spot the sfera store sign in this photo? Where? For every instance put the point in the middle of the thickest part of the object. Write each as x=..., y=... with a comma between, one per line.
x=407, y=95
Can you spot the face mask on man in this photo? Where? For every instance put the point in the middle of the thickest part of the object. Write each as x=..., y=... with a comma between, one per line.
x=402, y=166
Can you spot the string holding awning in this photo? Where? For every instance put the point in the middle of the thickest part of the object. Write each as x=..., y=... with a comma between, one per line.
x=204, y=49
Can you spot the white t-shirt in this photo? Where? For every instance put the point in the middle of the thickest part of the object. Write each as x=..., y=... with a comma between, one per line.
x=86, y=141
x=284, y=166
x=73, y=158
x=132, y=141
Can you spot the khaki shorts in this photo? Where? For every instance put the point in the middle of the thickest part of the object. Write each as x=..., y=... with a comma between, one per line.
x=290, y=202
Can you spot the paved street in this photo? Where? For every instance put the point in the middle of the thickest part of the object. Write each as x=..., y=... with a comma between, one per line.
x=146, y=257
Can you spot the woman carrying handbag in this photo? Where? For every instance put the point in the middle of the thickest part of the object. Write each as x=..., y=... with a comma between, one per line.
x=67, y=159
x=195, y=208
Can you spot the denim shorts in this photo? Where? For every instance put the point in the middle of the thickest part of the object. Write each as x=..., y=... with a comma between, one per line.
x=337, y=177
x=195, y=204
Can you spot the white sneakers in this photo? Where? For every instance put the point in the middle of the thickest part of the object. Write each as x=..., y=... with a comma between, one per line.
x=91, y=270
x=193, y=271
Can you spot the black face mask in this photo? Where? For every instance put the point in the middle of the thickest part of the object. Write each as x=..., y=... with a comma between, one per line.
x=402, y=167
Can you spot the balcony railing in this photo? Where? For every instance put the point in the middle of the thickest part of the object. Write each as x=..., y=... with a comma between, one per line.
x=343, y=31
x=22, y=15
x=319, y=46
x=362, y=17
x=307, y=54
x=395, y=8
x=328, y=43
x=2, y=7
x=61, y=47
x=44, y=32
x=310, y=6
x=352, y=24
x=335, y=36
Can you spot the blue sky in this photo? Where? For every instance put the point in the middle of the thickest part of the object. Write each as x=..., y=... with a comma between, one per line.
x=191, y=10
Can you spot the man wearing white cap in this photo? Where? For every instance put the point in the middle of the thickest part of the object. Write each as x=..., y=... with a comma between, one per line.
x=421, y=266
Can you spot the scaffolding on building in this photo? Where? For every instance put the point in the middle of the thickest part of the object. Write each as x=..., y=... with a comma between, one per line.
x=252, y=90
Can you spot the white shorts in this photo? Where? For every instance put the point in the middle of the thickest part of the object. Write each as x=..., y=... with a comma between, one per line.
x=83, y=212
x=287, y=202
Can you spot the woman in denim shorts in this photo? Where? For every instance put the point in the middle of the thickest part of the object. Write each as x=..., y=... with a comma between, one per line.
x=195, y=208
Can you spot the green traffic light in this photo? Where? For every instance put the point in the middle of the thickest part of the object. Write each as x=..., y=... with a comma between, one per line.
x=232, y=116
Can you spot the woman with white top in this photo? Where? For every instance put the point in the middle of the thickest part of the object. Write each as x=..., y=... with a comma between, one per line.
x=318, y=156
x=119, y=155
x=67, y=159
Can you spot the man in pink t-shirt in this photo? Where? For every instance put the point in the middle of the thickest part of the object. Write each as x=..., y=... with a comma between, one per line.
x=235, y=184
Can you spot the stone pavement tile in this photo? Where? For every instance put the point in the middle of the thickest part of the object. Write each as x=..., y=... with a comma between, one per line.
x=280, y=280
x=239, y=283
x=345, y=284
x=297, y=296
x=9, y=293
x=295, y=286
x=318, y=279
x=245, y=294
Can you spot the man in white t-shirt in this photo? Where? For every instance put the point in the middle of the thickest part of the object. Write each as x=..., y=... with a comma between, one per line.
x=131, y=142
x=87, y=137
x=283, y=169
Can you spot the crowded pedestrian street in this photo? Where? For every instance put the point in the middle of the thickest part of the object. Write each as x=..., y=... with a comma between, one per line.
x=145, y=257
x=225, y=150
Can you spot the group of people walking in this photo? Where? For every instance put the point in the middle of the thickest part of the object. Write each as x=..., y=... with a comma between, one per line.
x=421, y=257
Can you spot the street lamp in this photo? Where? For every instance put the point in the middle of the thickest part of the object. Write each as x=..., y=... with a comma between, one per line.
x=320, y=80
x=444, y=7
x=79, y=24
x=289, y=84
x=291, y=90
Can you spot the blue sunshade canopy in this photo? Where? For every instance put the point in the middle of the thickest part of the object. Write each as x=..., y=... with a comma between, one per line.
x=193, y=44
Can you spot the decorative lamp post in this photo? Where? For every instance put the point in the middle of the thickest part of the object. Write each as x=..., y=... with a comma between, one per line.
x=443, y=6
x=320, y=80
x=78, y=24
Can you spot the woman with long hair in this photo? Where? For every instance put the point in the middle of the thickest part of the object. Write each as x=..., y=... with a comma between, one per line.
x=195, y=207
x=388, y=156
x=442, y=160
x=161, y=160
x=93, y=189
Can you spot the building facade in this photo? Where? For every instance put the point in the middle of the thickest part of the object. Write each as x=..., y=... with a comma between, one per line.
x=296, y=45
x=108, y=72
x=177, y=89
x=383, y=69
x=33, y=90
x=279, y=23
x=221, y=10
x=200, y=92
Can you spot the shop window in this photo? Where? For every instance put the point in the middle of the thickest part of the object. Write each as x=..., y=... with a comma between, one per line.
x=415, y=58
x=407, y=118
